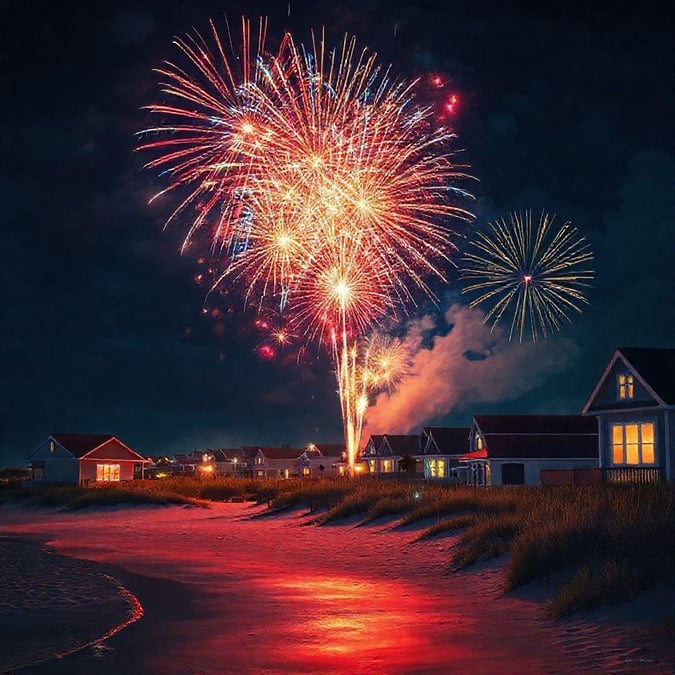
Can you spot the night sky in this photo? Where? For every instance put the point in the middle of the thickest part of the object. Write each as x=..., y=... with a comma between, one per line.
x=563, y=106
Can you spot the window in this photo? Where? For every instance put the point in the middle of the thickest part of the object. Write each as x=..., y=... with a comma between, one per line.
x=387, y=466
x=306, y=471
x=371, y=465
x=625, y=386
x=108, y=473
x=513, y=474
x=633, y=443
x=436, y=468
x=52, y=446
x=479, y=442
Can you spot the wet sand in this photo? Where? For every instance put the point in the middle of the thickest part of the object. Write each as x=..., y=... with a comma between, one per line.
x=224, y=593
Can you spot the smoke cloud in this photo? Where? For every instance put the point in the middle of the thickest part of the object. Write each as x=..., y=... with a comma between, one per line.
x=468, y=365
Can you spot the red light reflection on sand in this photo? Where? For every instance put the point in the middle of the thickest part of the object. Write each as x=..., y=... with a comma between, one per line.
x=352, y=624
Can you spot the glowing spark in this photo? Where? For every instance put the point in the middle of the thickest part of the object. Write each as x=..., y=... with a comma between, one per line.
x=538, y=274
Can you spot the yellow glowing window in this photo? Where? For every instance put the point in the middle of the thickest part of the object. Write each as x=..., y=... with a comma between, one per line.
x=108, y=473
x=436, y=468
x=371, y=466
x=387, y=466
x=306, y=471
x=633, y=444
x=625, y=383
x=647, y=436
x=479, y=442
x=617, y=444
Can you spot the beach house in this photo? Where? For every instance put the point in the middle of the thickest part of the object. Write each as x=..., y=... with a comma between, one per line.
x=383, y=453
x=515, y=449
x=280, y=462
x=634, y=404
x=441, y=448
x=84, y=459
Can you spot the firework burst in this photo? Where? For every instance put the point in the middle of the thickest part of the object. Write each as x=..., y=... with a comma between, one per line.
x=325, y=191
x=536, y=275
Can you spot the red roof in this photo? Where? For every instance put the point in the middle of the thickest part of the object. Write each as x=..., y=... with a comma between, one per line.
x=79, y=445
x=476, y=454
x=282, y=453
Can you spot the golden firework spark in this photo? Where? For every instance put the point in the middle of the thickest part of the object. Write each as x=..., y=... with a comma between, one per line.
x=537, y=275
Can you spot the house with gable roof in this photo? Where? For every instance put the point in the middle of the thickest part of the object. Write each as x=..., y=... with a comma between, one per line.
x=84, y=459
x=280, y=462
x=441, y=449
x=383, y=452
x=321, y=459
x=634, y=403
x=514, y=449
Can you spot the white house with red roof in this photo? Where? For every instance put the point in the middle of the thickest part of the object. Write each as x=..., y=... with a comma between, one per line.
x=84, y=459
x=515, y=449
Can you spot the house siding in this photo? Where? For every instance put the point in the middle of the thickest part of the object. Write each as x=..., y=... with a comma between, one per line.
x=61, y=470
x=533, y=467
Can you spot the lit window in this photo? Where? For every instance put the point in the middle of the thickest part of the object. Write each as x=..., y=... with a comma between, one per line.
x=387, y=466
x=633, y=444
x=108, y=473
x=479, y=442
x=625, y=386
x=306, y=471
x=52, y=446
x=371, y=466
x=436, y=468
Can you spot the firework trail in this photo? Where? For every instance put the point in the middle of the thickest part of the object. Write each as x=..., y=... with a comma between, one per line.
x=537, y=275
x=326, y=193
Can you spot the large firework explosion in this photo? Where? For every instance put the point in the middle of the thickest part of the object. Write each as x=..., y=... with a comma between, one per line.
x=325, y=191
x=536, y=275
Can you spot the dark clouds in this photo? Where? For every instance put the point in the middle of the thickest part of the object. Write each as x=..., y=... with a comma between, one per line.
x=565, y=106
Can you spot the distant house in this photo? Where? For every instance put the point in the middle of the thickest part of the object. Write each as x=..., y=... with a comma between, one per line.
x=514, y=449
x=280, y=462
x=634, y=403
x=84, y=459
x=320, y=459
x=383, y=452
x=441, y=449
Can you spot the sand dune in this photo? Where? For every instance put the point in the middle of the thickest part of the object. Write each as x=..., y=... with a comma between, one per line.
x=224, y=593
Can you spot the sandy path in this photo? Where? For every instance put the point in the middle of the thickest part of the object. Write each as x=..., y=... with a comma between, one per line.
x=227, y=594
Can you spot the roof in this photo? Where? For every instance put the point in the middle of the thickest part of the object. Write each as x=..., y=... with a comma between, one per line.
x=535, y=424
x=79, y=445
x=403, y=444
x=249, y=451
x=543, y=446
x=475, y=454
x=282, y=453
x=656, y=367
x=376, y=440
x=449, y=440
x=330, y=449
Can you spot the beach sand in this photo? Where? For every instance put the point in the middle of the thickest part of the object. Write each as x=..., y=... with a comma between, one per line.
x=226, y=593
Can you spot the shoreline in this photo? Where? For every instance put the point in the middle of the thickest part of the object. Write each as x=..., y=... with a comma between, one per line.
x=213, y=604
x=53, y=606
